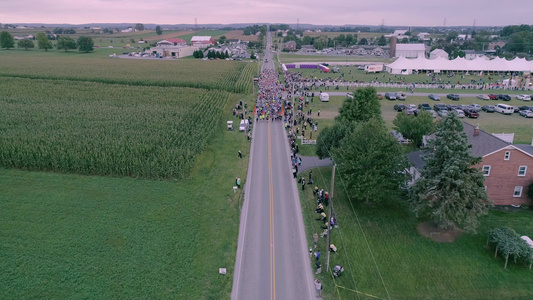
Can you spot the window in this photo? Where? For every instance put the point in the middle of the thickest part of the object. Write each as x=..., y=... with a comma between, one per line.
x=507, y=155
x=517, y=191
x=522, y=170
x=486, y=170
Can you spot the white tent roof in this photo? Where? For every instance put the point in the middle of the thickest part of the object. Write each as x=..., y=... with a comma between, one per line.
x=200, y=38
x=461, y=64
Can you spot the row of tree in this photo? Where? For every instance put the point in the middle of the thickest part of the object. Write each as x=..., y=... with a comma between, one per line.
x=372, y=163
x=83, y=43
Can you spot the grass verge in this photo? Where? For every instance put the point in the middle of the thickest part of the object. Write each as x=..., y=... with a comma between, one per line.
x=383, y=254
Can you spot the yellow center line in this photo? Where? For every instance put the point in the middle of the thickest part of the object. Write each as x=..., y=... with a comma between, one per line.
x=272, y=245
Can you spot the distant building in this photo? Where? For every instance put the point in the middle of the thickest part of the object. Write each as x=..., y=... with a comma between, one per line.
x=438, y=53
x=423, y=36
x=410, y=50
x=171, y=51
x=131, y=29
x=471, y=54
x=495, y=45
x=290, y=45
x=172, y=42
x=234, y=41
x=202, y=41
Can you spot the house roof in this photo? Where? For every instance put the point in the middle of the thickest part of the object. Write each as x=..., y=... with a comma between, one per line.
x=201, y=38
x=410, y=47
x=415, y=158
x=290, y=43
x=526, y=148
x=439, y=51
x=484, y=143
x=177, y=41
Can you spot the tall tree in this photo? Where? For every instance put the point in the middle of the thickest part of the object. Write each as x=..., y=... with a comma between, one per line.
x=85, y=43
x=158, y=30
x=6, y=40
x=371, y=162
x=25, y=43
x=362, y=107
x=414, y=127
x=66, y=43
x=43, y=42
x=331, y=137
x=450, y=190
x=363, y=41
x=139, y=27
x=382, y=41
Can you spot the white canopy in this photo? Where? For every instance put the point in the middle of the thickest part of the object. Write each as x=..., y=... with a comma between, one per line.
x=404, y=65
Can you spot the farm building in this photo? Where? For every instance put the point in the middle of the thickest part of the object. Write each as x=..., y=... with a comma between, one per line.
x=172, y=42
x=438, y=53
x=508, y=168
x=173, y=51
x=410, y=50
x=202, y=41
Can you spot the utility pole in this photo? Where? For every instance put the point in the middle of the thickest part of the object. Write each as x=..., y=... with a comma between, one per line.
x=330, y=215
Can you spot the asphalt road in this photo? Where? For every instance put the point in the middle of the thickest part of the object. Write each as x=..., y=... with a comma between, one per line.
x=272, y=257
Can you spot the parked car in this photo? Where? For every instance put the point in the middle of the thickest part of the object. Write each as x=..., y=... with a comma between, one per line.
x=424, y=106
x=526, y=107
x=390, y=96
x=471, y=114
x=434, y=97
x=475, y=107
x=411, y=109
x=442, y=113
x=464, y=107
x=523, y=97
x=515, y=109
x=432, y=112
x=439, y=107
x=399, y=107
x=526, y=113
x=459, y=113
x=488, y=108
x=483, y=97
x=453, y=97
x=400, y=96
x=504, y=97
x=452, y=107
x=493, y=97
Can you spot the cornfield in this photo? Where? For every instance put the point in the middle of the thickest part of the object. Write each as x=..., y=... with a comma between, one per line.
x=229, y=76
x=93, y=128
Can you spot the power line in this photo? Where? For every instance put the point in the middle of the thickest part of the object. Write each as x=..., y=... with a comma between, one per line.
x=364, y=235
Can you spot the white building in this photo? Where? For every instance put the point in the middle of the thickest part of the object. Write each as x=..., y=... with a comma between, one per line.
x=438, y=53
x=471, y=54
x=423, y=36
x=173, y=51
x=410, y=50
x=202, y=41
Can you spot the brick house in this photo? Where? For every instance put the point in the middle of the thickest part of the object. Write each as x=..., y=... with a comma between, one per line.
x=290, y=45
x=508, y=168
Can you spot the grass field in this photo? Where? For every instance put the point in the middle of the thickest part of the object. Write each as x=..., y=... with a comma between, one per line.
x=221, y=75
x=383, y=254
x=71, y=236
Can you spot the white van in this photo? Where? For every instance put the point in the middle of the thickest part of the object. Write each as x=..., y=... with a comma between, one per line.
x=504, y=109
x=324, y=97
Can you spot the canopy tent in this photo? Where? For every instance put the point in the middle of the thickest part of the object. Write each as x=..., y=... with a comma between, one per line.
x=406, y=66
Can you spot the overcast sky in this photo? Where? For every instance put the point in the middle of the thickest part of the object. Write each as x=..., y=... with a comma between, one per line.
x=320, y=12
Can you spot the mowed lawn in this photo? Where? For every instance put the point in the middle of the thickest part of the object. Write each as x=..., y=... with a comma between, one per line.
x=71, y=236
x=383, y=255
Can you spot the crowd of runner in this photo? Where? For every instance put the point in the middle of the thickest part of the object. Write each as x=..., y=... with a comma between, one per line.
x=269, y=102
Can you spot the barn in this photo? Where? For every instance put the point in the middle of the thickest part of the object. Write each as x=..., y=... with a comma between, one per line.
x=202, y=41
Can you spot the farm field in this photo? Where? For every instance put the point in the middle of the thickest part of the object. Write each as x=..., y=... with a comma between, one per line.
x=72, y=236
x=239, y=34
x=221, y=75
x=464, y=269
x=101, y=129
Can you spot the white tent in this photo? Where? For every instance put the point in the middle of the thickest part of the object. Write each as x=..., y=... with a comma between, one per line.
x=406, y=66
